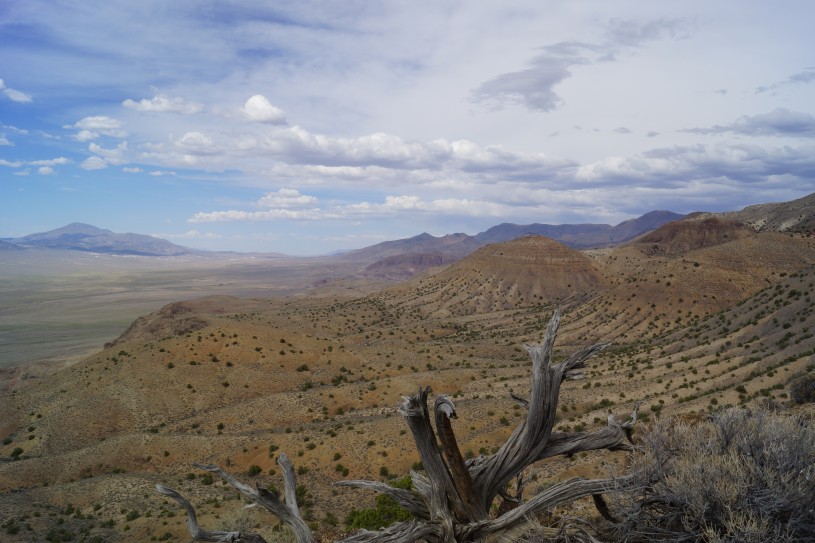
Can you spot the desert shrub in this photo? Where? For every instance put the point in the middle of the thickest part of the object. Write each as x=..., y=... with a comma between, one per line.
x=740, y=476
x=802, y=388
x=239, y=520
x=384, y=513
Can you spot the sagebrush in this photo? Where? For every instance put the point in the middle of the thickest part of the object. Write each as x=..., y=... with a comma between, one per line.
x=740, y=476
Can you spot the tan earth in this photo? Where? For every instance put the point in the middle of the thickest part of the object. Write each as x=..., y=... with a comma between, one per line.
x=701, y=315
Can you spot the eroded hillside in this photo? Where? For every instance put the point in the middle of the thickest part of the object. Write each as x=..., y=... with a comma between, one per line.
x=715, y=320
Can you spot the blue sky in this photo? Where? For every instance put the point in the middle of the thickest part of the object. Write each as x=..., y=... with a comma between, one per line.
x=308, y=127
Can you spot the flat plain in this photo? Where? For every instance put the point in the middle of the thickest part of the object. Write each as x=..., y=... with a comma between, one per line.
x=59, y=306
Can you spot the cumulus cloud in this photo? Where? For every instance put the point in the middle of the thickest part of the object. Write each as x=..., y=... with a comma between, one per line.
x=93, y=163
x=259, y=109
x=407, y=205
x=90, y=128
x=164, y=104
x=681, y=166
x=5, y=141
x=132, y=170
x=196, y=142
x=45, y=170
x=779, y=122
x=533, y=87
x=161, y=173
x=108, y=157
x=10, y=164
x=14, y=95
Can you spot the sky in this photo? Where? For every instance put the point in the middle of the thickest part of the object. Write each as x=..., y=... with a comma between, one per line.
x=308, y=127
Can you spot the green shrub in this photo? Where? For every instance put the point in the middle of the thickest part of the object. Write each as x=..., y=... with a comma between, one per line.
x=384, y=513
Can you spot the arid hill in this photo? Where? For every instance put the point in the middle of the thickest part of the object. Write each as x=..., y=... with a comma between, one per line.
x=795, y=216
x=691, y=234
x=711, y=321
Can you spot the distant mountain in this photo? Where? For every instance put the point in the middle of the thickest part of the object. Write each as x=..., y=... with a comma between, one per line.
x=581, y=236
x=84, y=237
x=457, y=246
x=8, y=246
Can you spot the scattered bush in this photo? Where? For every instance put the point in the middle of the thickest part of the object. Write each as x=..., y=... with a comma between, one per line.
x=802, y=389
x=384, y=513
x=741, y=476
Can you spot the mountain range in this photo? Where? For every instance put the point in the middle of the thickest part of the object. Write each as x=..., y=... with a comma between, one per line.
x=84, y=237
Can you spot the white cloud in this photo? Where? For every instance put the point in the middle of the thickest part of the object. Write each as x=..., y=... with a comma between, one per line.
x=287, y=198
x=4, y=141
x=15, y=95
x=272, y=214
x=45, y=170
x=112, y=157
x=98, y=125
x=93, y=163
x=407, y=205
x=259, y=109
x=164, y=104
x=51, y=162
x=197, y=143
x=10, y=164
x=160, y=173
x=132, y=170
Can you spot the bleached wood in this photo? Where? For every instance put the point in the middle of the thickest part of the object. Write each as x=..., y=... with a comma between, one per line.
x=198, y=533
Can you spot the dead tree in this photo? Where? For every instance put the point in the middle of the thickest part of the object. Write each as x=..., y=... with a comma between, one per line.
x=452, y=501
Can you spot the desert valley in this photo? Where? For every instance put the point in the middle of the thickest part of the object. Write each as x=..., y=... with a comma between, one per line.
x=231, y=359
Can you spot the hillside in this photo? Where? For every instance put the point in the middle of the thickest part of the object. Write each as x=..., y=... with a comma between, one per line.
x=717, y=315
x=795, y=216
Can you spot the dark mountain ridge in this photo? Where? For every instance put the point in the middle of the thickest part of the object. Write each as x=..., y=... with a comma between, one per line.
x=576, y=236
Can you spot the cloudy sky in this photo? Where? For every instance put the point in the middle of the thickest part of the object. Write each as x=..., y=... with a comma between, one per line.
x=307, y=127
